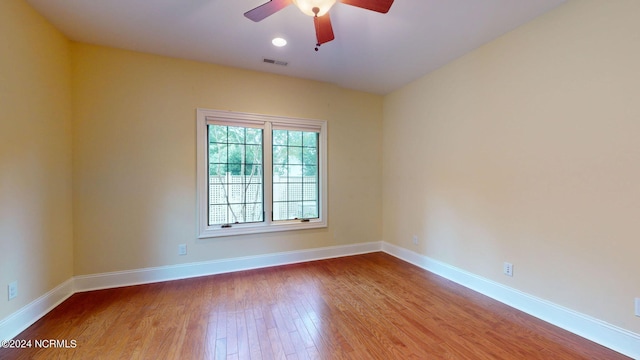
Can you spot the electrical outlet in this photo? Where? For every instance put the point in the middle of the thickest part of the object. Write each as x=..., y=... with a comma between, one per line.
x=508, y=269
x=13, y=290
x=182, y=249
x=637, y=306
x=415, y=239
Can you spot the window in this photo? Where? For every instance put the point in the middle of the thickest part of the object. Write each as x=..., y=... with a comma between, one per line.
x=235, y=174
x=295, y=174
x=259, y=173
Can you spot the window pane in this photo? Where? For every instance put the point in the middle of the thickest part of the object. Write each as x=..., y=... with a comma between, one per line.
x=234, y=169
x=294, y=210
x=217, y=169
x=237, y=213
x=310, y=139
x=254, y=136
x=279, y=210
x=280, y=192
x=280, y=173
x=217, y=134
x=236, y=153
x=295, y=138
x=235, y=175
x=295, y=155
x=217, y=214
x=309, y=193
x=253, y=154
x=253, y=174
x=279, y=155
x=295, y=175
x=235, y=191
x=216, y=194
x=253, y=193
x=236, y=135
x=310, y=156
x=295, y=170
x=309, y=210
x=254, y=212
x=310, y=171
x=295, y=192
x=280, y=137
x=217, y=152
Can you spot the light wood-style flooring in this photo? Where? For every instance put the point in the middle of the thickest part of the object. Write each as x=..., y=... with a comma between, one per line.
x=371, y=306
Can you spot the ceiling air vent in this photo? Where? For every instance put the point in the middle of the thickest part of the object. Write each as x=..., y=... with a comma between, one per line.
x=275, y=62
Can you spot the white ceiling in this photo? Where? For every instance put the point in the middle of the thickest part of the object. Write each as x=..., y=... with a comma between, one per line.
x=372, y=52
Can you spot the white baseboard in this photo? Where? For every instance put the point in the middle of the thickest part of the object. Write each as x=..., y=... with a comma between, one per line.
x=598, y=331
x=17, y=322
x=184, y=271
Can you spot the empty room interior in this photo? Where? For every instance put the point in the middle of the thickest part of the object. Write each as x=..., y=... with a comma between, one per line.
x=507, y=173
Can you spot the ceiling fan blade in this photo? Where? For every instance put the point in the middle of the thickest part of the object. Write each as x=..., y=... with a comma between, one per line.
x=324, y=30
x=266, y=9
x=381, y=6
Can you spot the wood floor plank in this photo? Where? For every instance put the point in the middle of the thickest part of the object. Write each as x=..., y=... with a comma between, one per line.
x=253, y=341
x=263, y=338
x=371, y=306
x=209, y=341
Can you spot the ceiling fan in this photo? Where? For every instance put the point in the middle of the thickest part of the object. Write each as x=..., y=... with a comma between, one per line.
x=319, y=9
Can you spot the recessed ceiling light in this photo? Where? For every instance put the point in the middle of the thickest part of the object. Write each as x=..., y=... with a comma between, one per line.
x=279, y=42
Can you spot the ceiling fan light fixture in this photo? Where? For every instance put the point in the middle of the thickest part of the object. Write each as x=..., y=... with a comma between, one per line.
x=307, y=6
x=279, y=42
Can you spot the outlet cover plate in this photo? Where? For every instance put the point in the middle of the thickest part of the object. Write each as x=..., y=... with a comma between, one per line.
x=182, y=249
x=508, y=269
x=637, y=306
x=12, y=290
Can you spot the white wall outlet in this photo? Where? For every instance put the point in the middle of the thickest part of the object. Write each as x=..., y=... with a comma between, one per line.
x=182, y=249
x=637, y=306
x=13, y=290
x=508, y=269
x=415, y=239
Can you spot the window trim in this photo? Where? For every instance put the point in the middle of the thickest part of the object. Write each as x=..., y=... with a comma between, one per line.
x=268, y=122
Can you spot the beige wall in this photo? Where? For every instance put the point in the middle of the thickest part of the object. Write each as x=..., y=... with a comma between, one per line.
x=134, y=157
x=526, y=150
x=35, y=156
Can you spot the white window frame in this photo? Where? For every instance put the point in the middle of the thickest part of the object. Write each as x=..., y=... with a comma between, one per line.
x=205, y=117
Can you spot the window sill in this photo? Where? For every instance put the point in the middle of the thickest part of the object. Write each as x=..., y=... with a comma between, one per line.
x=248, y=229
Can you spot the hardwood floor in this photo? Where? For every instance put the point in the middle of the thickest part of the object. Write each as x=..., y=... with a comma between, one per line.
x=371, y=306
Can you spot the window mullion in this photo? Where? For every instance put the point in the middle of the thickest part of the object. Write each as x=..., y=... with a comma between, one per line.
x=268, y=173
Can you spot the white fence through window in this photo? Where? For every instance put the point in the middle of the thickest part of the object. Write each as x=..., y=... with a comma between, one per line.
x=238, y=198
